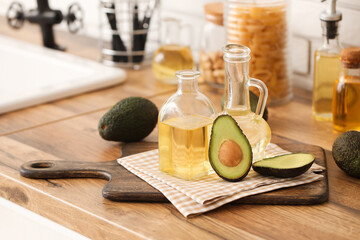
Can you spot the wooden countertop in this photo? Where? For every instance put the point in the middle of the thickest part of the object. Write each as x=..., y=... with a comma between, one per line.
x=67, y=129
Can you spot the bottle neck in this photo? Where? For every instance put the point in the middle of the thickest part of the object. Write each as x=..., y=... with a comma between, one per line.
x=352, y=72
x=187, y=85
x=329, y=43
x=237, y=88
x=171, y=33
x=330, y=34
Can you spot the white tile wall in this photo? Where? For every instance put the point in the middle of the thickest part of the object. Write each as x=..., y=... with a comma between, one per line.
x=305, y=26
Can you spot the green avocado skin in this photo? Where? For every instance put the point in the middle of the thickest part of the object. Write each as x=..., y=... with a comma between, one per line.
x=346, y=153
x=221, y=174
x=282, y=173
x=129, y=120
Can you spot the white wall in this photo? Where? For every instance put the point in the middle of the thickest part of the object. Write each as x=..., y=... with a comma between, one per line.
x=305, y=25
x=306, y=32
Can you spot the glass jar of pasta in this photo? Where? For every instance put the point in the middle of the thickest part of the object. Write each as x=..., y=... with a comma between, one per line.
x=261, y=25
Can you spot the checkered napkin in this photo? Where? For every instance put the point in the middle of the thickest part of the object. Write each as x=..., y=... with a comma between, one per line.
x=209, y=192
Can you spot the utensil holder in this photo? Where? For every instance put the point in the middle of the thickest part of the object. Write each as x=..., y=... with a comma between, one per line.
x=129, y=32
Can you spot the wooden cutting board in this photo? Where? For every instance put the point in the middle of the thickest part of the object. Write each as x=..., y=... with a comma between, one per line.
x=125, y=186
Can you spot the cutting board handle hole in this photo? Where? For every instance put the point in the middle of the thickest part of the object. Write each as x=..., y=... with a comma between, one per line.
x=319, y=171
x=42, y=165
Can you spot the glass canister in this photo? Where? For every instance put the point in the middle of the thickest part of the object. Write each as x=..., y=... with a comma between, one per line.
x=185, y=122
x=173, y=54
x=212, y=41
x=237, y=100
x=261, y=25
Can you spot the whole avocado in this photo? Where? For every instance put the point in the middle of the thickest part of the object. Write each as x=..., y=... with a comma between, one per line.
x=129, y=120
x=346, y=153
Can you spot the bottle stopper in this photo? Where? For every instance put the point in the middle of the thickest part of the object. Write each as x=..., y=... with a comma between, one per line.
x=331, y=17
x=350, y=57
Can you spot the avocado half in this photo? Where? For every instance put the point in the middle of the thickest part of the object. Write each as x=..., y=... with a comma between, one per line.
x=230, y=153
x=285, y=166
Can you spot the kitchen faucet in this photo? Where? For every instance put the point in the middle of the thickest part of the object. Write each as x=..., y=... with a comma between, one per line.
x=46, y=18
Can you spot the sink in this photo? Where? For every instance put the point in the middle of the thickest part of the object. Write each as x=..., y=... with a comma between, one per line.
x=33, y=75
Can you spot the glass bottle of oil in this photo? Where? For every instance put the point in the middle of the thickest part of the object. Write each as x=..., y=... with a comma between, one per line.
x=185, y=122
x=172, y=55
x=237, y=102
x=326, y=64
x=346, y=98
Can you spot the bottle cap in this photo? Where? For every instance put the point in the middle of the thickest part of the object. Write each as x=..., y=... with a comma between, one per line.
x=331, y=17
x=350, y=57
x=214, y=12
x=331, y=14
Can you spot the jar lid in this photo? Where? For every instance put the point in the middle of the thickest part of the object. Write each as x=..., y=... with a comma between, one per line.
x=350, y=57
x=214, y=12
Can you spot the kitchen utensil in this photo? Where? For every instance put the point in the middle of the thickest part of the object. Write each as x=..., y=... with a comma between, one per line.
x=127, y=39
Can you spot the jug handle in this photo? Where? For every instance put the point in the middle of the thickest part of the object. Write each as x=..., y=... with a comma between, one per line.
x=262, y=97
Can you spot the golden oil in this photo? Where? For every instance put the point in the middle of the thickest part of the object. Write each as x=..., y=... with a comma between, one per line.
x=326, y=71
x=183, y=146
x=346, y=105
x=256, y=130
x=171, y=58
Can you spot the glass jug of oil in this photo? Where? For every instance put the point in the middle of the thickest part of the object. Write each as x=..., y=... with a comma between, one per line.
x=185, y=122
x=237, y=103
x=172, y=55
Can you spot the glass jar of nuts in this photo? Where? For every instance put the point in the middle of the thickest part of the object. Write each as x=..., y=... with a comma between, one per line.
x=213, y=40
x=261, y=25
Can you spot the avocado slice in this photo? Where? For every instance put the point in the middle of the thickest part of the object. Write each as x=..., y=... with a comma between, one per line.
x=346, y=153
x=285, y=166
x=129, y=120
x=230, y=152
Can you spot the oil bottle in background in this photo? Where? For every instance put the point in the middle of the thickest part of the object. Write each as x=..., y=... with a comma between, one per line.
x=185, y=122
x=326, y=64
x=346, y=98
x=172, y=55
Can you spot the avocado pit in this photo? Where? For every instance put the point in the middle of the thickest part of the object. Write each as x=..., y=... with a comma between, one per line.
x=230, y=153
